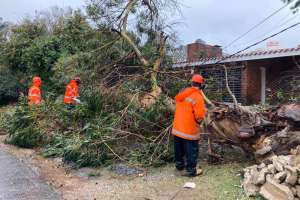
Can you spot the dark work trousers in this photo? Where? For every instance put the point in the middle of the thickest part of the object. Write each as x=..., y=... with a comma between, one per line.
x=69, y=106
x=186, y=150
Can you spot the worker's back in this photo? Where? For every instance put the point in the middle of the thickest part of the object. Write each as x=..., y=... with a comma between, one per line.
x=189, y=108
x=34, y=93
x=71, y=92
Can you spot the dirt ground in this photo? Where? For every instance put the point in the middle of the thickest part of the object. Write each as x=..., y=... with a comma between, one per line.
x=218, y=181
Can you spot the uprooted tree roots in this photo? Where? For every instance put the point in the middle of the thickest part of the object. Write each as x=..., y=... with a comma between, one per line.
x=261, y=134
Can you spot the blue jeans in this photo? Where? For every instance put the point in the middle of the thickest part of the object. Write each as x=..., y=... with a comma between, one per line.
x=186, y=150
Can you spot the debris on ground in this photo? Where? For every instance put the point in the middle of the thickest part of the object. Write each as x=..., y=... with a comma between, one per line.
x=190, y=185
x=122, y=169
x=276, y=178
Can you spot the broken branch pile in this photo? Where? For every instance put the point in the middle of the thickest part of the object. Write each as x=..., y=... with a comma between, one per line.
x=261, y=134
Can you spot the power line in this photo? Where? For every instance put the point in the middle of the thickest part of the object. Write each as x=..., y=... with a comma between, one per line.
x=278, y=26
x=284, y=19
x=250, y=46
x=257, y=25
x=257, y=43
x=271, y=30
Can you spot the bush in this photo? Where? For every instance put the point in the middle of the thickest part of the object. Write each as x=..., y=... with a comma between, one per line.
x=42, y=55
x=107, y=127
x=23, y=126
x=9, y=87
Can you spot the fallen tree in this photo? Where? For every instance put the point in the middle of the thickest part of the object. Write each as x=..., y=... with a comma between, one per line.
x=261, y=134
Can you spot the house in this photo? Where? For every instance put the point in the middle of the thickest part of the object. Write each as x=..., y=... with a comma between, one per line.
x=253, y=76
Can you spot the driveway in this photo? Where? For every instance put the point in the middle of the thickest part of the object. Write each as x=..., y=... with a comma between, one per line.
x=19, y=182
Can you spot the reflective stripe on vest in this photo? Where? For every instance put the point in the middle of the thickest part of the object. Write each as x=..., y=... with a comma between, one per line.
x=71, y=89
x=34, y=95
x=34, y=92
x=181, y=134
x=190, y=100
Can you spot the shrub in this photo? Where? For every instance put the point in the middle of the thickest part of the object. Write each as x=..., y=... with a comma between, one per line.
x=41, y=56
x=9, y=87
x=23, y=127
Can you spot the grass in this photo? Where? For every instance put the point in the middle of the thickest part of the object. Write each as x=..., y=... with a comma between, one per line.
x=225, y=181
x=219, y=182
x=94, y=174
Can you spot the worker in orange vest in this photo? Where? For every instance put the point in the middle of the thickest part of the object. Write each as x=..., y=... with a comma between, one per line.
x=190, y=111
x=71, y=94
x=34, y=93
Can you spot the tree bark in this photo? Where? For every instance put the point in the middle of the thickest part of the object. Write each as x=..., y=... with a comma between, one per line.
x=158, y=61
x=257, y=133
x=228, y=88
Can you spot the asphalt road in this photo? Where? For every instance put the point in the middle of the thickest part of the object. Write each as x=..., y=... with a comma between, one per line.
x=19, y=182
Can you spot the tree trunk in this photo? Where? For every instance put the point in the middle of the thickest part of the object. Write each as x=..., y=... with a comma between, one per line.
x=258, y=133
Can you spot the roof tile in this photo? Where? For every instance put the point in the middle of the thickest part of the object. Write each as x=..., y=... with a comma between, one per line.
x=246, y=55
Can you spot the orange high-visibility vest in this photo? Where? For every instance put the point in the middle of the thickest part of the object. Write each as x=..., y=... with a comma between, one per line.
x=190, y=107
x=71, y=92
x=34, y=95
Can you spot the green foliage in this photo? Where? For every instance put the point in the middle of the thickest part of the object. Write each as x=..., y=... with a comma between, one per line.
x=75, y=33
x=172, y=85
x=14, y=50
x=141, y=154
x=78, y=150
x=108, y=125
x=72, y=48
x=212, y=92
x=288, y=91
x=294, y=6
x=41, y=56
x=23, y=127
x=9, y=87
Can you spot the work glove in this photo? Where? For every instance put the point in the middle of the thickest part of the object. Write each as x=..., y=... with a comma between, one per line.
x=77, y=100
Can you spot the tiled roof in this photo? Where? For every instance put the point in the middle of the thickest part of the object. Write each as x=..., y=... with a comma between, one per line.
x=254, y=55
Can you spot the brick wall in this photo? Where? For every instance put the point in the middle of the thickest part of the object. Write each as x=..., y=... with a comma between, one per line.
x=251, y=77
x=245, y=77
x=195, y=51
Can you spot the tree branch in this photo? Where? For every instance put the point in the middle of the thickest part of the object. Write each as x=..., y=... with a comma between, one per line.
x=158, y=61
x=125, y=13
x=228, y=88
x=144, y=62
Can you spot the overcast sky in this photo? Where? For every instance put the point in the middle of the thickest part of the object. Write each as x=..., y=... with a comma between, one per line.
x=214, y=21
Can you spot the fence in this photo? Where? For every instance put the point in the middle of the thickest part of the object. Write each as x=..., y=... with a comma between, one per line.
x=216, y=82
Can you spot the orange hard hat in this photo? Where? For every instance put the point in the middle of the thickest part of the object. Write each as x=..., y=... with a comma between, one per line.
x=77, y=79
x=36, y=79
x=197, y=78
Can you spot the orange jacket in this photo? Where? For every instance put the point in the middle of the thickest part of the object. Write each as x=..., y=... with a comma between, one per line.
x=190, y=107
x=71, y=92
x=34, y=95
